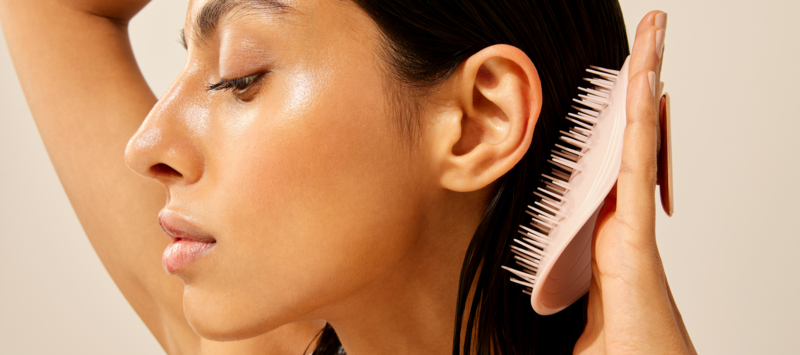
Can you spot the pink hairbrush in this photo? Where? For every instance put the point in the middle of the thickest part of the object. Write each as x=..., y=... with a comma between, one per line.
x=554, y=252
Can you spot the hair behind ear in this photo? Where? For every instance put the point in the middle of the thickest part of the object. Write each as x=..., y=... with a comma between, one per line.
x=426, y=41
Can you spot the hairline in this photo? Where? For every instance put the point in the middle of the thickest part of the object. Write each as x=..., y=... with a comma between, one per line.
x=205, y=23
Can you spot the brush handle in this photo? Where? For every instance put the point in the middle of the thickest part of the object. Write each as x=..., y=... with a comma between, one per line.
x=665, y=156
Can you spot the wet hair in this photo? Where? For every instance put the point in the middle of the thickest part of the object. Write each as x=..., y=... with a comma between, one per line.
x=424, y=42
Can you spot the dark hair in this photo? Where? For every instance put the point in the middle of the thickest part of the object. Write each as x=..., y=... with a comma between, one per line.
x=425, y=41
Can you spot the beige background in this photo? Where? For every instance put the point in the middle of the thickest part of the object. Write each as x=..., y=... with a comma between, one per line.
x=730, y=250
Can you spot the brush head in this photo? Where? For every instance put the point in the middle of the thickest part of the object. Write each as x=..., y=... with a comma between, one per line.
x=553, y=252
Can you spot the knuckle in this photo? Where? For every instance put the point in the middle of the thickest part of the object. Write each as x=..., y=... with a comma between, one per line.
x=611, y=275
x=626, y=169
x=645, y=171
x=640, y=171
x=642, y=120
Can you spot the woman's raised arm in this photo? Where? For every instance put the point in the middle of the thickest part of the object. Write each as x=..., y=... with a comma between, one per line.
x=88, y=97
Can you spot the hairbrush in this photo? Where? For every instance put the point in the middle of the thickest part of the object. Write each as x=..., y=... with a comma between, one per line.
x=553, y=252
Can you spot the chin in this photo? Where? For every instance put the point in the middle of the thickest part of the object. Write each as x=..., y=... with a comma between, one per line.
x=215, y=317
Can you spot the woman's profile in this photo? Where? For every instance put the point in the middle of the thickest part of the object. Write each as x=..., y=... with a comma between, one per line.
x=347, y=175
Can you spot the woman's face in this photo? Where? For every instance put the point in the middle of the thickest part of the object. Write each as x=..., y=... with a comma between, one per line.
x=302, y=181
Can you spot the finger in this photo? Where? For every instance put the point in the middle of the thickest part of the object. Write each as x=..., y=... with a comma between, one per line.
x=660, y=22
x=646, y=53
x=637, y=176
x=648, y=50
x=648, y=45
x=651, y=19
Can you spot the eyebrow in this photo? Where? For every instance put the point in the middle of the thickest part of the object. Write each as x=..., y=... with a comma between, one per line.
x=209, y=17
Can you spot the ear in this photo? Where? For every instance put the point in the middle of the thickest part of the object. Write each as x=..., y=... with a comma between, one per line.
x=492, y=103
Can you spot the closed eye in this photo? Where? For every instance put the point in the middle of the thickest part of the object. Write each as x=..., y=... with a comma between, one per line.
x=237, y=85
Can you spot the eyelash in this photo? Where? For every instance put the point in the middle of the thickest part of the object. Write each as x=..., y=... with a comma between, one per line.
x=238, y=85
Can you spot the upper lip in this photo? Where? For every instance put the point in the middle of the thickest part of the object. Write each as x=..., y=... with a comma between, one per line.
x=179, y=228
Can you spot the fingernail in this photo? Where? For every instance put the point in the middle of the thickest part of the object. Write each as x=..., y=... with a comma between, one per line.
x=661, y=20
x=659, y=42
x=651, y=77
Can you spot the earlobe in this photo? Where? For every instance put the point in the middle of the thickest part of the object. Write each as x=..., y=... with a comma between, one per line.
x=496, y=96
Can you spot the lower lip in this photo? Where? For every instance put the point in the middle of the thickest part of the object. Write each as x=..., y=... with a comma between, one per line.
x=182, y=251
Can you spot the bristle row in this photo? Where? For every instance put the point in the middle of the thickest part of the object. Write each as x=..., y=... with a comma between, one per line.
x=549, y=209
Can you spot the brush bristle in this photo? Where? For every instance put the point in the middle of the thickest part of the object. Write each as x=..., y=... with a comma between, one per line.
x=549, y=210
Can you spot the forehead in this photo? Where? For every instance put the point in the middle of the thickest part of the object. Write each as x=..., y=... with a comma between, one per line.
x=196, y=6
x=204, y=16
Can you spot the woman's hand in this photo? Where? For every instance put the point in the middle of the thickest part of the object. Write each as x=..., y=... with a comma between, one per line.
x=631, y=309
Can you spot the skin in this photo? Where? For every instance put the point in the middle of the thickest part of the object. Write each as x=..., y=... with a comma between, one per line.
x=318, y=207
x=631, y=309
x=88, y=97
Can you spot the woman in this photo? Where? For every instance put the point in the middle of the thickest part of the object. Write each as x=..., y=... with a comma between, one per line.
x=333, y=160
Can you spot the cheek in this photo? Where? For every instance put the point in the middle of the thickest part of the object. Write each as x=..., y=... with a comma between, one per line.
x=325, y=151
x=328, y=173
x=314, y=200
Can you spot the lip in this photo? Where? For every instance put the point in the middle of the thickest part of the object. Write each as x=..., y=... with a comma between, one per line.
x=188, y=242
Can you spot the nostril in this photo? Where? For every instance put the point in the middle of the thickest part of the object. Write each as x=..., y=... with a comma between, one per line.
x=164, y=170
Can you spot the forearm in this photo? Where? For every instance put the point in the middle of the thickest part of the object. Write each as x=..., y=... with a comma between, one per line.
x=121, y=11
x=69, y=61
x=82, y=84
x=88, y=97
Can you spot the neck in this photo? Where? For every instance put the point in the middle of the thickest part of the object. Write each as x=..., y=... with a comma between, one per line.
x=411, y=309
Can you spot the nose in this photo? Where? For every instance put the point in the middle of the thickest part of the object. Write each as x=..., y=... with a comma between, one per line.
x=167, y=146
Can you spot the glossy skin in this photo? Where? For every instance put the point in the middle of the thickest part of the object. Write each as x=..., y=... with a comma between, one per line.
x=302, y=179
x=313, y=196
x=88, y=97
x=317, y=206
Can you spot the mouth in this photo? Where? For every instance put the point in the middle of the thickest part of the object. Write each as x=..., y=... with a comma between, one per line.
x=188, y=242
